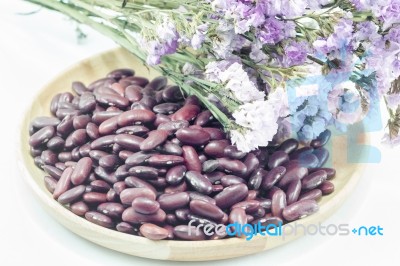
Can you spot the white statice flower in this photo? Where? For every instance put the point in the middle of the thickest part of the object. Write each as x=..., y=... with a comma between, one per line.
x=258, y=121
x=279, y=100
x=238, y=82
x=214, y=69
x=222, y=43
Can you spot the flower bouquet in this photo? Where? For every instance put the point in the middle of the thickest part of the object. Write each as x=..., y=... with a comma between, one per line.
x=265, y=69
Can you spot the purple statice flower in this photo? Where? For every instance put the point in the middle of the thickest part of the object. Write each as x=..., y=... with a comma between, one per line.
x=199, y=37
x=367, y=31
x=390, y=13
x=272, y=31
x=295, y=53
x=394, y=35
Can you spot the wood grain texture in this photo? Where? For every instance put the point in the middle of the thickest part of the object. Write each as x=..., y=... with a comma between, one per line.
x=96, y=67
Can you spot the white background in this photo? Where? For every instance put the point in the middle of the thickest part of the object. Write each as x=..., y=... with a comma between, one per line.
x=35, y=48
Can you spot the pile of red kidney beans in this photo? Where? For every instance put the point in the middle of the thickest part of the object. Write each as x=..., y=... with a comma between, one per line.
x=137, y=156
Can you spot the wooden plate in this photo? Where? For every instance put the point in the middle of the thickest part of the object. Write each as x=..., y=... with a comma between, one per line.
x=96, y=67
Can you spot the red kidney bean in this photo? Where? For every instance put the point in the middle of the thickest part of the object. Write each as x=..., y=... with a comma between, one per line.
x=109, y=161
x=252, y=163
x=293, y=191
x=82, y=171
x=161, y=119
x=132, y=181
x=133, y=93
x=122, y=171
x=101, y=116
x=79, y=208
x=140, y=81
x=131, y=117
x=192, y=136
x=176, y=174
x=154, y=139
x=326, y=187
x=100, y=186
x=50, y=183
x=217, y=188
x=252, y=194
x=64, y=183
x=182, y=214
x=49, y=157
x=170, y=148
x=188, y=112
x=56, y=144
x=206, y=210
x=84, y=150
x=249, y=206
x=289, y=145
x=186, y=232
x=193, y=195
x=157, y=83
x=172, y=94
x=235, y=167
x=170, y=230
x=166, y=108
x=127, y=141
x=111, y=195
x=125, y=228
x=105, y=175
x=322, y=139
x=153, y=232
x=232, y=152
x=265, y=203
x=265, y=221
x=41, y=136
x=313, y=180
x=322, y=154
x=64, y=156
x=231, y=195
x=173, y=126
x=99, y=219
x=94, y=197
x=54, y=103
x=210, y=166
x=44, y=121
x=278, y=203
x=96, y=154
x=128, y=195
x=215, y=133
x=145, y=205
x=137, y=158
x=87, y=102
x=71, y=195
x=79, y=88
x=216, y=148
x=272, y=191
x=313, y=194
x=199, y=182
x=109, y=126
x=277, y=158
x=92, y=130
x=101, y=83
x=256, y=179
x=131, y=216
x=330, y=172
x=103, y=142
x=229, y=180
x=111, y=209
x=293, y=173
x=300, y=209
x=203, y=118
x=159, y=182
x=112, y=99
x=191, y=157
x=300, y=152
x=81, y=121
x=133, y=130
x=119, y=187
x=120, y=73
x=145, y=172
x=174, y=201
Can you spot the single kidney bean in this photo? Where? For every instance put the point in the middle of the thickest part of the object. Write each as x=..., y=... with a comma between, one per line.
x=71, y=195
x=111, y=209
x=44, y=121
x=256, y=179
x=92, y=131
x=99, y=219
x=252, y=163
x=229, y=180
x=326, y=187
x=154, y=139
x=293, y=191
x=128, y=195
x=206, y=210
x=175, y=174
x=145, y=205
x=100, y=186
x=125, y=228
x=300, y=209
x=54, y=103
x=182, y=214
x=203, y=118
x=278, y=203
x=210, y=166
x=56, y=144
x=79, y=208
x=42, y=136
x=145, y=172
x=232, y=152
x=215, y=133
x=187, y=232
x=252, y=194
x=192, y=136
x=231, y=195
x=313, y=194
x=132, y=181
x=172, y=94
x=289, y=145
x=313, y=180
x=94, y=197
x=293, y=172
x=322, y=139
x=322, y=154
x=277, y=158
x=64, y=183
x=81, y=171
x=193, y=195
x=249, y=206
x=97, y=154
x=160, y=160
x=174, y=201
x=119, y=187
x=199, y=182
x=50, y=183
x=120, y=73
x=188, y=112
x=300, y=152
x=153, y=232
x=52, y=171
x=192, y=160
x=131, y=216
x=330, y=172
x=109, y=161
x=235, y=167
x=103, y=142
x=215, y=148
x=170, y=148
x=272, y=177
x=131, y=117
